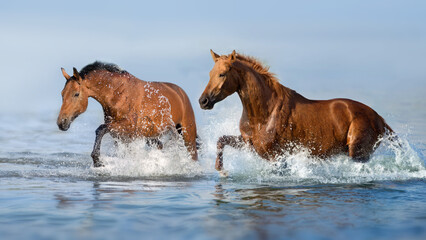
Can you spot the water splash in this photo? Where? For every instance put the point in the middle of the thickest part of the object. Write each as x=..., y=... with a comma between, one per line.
x=391, y=161
x=138, y=159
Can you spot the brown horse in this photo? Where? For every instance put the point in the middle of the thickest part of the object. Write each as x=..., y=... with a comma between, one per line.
x=276, y=119
x=132, y=108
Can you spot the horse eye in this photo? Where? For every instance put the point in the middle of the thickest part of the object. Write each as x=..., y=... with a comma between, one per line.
x=222, y=75
x=76, y=94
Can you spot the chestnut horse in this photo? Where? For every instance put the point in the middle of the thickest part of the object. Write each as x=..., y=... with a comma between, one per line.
x=132, y=108
x=276, y=119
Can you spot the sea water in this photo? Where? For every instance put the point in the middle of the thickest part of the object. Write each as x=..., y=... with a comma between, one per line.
x=49, y=189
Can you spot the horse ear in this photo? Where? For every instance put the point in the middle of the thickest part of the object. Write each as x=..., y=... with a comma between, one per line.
x=66, y=76
x=76, y=75
x=233, y=56
x=214, y=55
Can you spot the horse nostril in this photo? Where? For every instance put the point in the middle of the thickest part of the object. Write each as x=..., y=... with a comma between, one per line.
x=204, y=101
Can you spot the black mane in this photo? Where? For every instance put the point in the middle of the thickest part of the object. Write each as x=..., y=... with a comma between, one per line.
x=100, y=66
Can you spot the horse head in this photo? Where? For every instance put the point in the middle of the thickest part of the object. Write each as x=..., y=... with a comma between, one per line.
x=74, y=100
x=223, y=82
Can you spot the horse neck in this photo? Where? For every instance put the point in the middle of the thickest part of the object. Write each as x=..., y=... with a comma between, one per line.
x=257, y=94
x=104, y=87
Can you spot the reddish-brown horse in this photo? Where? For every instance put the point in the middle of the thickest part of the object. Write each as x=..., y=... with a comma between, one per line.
x=276, y=118
x=132, y=108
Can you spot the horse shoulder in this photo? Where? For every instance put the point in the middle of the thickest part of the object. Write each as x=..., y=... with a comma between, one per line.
x=268, y=131
x=245, y=128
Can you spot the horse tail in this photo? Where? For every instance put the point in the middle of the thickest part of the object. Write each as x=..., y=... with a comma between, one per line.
x=388, y=129
x=391, y=135
x=389, y=132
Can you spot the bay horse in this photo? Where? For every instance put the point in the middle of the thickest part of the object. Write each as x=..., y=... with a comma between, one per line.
x=276, y=119
x=133, y=108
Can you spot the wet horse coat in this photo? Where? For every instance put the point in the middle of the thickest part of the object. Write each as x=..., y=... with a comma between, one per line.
x=276, y=119
x=133, y=108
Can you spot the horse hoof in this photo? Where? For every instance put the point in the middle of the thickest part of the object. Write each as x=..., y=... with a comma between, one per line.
x=223, y=173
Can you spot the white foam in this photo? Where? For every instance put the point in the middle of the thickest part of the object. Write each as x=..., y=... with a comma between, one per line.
x=137, y=159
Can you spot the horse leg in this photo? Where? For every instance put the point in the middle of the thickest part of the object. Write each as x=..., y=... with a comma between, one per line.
x=233, y=141
x=100, y=132
x=154, y=142
x=361, y=140
x=189, y=135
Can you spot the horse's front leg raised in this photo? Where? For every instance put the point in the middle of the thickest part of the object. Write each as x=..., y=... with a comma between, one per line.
x=233, y=141
x=100, y=132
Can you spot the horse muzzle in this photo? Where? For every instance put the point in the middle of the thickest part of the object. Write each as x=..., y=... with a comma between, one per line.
x=65, y=123
x=206, y=103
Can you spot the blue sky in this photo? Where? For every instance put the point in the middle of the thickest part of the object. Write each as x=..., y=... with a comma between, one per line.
x=322, y=49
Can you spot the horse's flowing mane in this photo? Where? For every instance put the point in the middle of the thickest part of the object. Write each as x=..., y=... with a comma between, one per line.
x=101, y=66
x=258, y=67
x=269, y=77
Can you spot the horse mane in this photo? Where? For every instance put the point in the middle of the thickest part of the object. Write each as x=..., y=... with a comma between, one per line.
x=114, y=68
x=268, y=77
x=259, y=68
